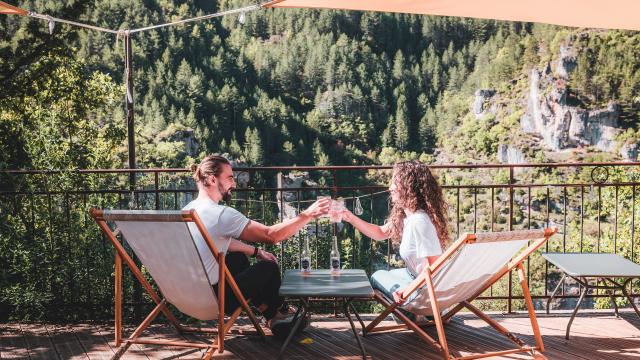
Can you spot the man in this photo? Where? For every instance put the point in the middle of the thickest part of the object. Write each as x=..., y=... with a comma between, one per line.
x=259, y=282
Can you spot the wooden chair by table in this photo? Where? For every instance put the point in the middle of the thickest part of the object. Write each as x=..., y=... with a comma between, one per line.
x=163, y=241
x=468, y=268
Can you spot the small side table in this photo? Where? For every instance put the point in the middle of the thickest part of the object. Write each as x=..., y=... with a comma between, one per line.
x=584, y=266
x=349, y=285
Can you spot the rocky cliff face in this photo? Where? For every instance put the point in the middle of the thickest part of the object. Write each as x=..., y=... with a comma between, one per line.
x=181, y=134
x=562, y=126
x=509, y=155
x=288, y=203
x=480, y=105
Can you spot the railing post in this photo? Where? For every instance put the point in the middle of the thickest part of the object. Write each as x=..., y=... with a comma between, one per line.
x=581, y=217
x=633, y=222
x=458, y=212
x=493, y=207
x=118, y=300
x=615, y=225
x=546, y=245
x=280, y=200
x=475, y=210
x=156, y=182
x=511, y=182
x=334, y=191
x=599, y=216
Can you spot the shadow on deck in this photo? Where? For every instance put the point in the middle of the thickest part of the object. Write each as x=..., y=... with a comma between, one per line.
x=594, y=335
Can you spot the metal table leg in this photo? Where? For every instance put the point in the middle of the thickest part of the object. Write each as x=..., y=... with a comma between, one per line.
x=564, y=276
x=575, y=311
x=345, y=309
x=358, y=317
x=626, y=293
x=304, y=307
x=613, y=302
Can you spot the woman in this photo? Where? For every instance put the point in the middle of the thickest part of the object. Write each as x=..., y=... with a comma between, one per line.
x=417, y=222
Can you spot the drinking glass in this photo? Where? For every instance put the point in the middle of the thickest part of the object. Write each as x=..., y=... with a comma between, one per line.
x=335, y=210
x=320, y=197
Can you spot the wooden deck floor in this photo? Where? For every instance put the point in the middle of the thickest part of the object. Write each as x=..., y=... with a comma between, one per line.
x=595, y=335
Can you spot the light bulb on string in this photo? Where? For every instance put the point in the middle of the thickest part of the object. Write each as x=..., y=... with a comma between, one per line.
x=358, y=210
x=52, y=25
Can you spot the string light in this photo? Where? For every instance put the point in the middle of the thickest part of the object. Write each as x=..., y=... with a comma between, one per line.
x=53, y=20
x=358, y=210
x=52, y=25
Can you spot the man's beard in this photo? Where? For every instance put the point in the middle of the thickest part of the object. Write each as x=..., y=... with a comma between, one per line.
x=226, y=195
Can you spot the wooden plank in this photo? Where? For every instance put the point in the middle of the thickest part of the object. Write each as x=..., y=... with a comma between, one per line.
x=134, y=352
x=155, y=351
x=168, y=333
x=377, y=345
x=327, y=335
x=65, y=342
x=38, y=341
x=198, y=353
x=467, y=340
x=94, y=344
x=12, y=342
x=486, y=338
x=610, y=343
x=575, y=348
x=596, y=336
x=237, y=346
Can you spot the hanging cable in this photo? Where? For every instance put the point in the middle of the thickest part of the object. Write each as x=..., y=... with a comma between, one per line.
x=54, y=19
x=203, y=17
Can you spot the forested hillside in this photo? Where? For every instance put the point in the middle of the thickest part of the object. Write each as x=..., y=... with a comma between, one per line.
x=288, y=86
x=304, y=87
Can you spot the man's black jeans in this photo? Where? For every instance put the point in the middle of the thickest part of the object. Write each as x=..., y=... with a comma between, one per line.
x=259, y=283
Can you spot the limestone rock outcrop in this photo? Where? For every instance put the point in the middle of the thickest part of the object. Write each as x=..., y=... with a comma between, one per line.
x=562, y=126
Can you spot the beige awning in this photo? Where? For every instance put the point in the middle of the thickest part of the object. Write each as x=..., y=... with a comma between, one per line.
x=606, y=14
x=9, y=9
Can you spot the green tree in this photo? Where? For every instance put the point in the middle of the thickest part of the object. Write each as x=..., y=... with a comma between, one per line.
x=253, y=147
x=402, y=124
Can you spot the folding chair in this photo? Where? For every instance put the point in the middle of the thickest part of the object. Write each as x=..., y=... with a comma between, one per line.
x=468, y=268
x=163, y=242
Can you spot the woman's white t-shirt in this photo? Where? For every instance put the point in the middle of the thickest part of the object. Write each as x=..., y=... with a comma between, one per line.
x=419, y=240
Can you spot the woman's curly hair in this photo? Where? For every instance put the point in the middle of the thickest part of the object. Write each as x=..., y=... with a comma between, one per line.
x=417, y=189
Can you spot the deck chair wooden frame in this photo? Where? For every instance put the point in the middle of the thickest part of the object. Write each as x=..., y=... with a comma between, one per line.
x=223, y=328
x=425, y=279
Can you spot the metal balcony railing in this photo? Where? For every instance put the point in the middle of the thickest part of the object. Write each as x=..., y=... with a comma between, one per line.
x=45, y=211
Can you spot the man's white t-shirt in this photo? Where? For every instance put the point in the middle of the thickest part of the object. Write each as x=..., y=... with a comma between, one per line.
x=223, y=224
x=419, y=240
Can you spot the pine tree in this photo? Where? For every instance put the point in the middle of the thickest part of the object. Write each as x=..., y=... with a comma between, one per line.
x=398, y=66
x=402, y=124
x=234, y=148
x=253, y=147
x=388, y=135
x=320, y=158
x=427, y=131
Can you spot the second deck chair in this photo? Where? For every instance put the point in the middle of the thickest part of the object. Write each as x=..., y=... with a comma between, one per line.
x=469, y=267
x=163, y=241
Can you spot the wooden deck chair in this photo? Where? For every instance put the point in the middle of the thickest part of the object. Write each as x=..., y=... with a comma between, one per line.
x=468, y=268
x=163, y=242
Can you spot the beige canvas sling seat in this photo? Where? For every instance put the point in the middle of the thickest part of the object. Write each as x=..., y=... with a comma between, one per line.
x=468, y=268
x=163, y=241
